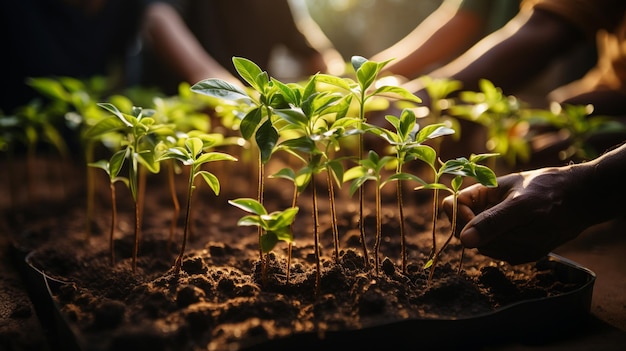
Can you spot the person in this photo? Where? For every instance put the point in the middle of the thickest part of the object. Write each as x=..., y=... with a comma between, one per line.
x=450, y=30
x=249, y=29
x=533, y=212
x=542, y=31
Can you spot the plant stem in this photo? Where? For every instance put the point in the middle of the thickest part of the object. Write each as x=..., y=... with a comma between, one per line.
x=402, y=232
x=333, y=212
x=137, y=229
x=362, y=203
x=443, y=247
x=378, y=230
x=179, y=260
x=91, y=188
x=434, y=224
x=294, y=202
x=316, y=236
x=176, y=213
x=113, y=223
x=260, y=192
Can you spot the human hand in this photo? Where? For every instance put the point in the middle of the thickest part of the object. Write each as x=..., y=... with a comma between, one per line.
x=527, y=215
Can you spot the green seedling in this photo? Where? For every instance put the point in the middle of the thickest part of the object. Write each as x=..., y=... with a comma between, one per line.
x=112, y=168
x=370, y=169
x=578, y=125
x=257, y=121
x=193, y=155
x=503, y=118
x=300, y=182
x=459, y=168
x=137, y=145
x=362, y=91
x=319, y=123
x=407, y=142
x=275, y=226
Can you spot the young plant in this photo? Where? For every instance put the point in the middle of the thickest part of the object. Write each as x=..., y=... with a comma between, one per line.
x=112, y=168
x=193, y=155
x=459, y=168
x=257, y=121
x=502, y=116
x=137, y=146
x=407, y=142
x=362, y=91
x=370, y=169
x=275, y=226
x=300, y=182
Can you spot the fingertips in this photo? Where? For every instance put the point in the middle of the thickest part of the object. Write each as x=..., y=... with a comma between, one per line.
x=470, y=237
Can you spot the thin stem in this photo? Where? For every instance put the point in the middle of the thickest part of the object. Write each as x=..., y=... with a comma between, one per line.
x=402, y=231
x=294, y=202
x=443, y=247
x=113, y=223
x=434, y=223
x=91, y=187
x=260, y=192
x=361, y=190
x=378, y=230
x=176, y=212
x=316, y=236
x=137, y=229
x=179, y=260
x=333, y=212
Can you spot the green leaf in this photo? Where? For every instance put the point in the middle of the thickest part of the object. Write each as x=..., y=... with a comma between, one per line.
x=212, y=157
x=220, y=89
x=332, y=80
x=283, y=219
x=485, y=176
x=397, y=92
x=250, y=122
x=194, y=145
x=249, y=205
x=285, y=173
x=111, y=108
x=104, y=126
x=366, y=74
x=249, y=71
x=249, y=220
x=357, y=62
x=211, y=181
x=268, y=241
x=116, y=162
x=424, y=153
x=266, y=138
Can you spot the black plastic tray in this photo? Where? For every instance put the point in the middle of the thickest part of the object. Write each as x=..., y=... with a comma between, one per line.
x=533, y=321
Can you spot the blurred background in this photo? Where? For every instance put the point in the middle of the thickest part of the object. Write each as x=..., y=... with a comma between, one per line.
x=364, y=27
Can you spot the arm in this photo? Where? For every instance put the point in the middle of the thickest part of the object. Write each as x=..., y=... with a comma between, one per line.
x=444, y=34
x=514, y=54
x=175, y=43
x=531, y=213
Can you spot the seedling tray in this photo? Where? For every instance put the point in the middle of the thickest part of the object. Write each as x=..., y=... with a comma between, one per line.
x=532, y=321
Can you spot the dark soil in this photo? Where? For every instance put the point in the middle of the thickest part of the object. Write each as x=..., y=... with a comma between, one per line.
x=220, y=300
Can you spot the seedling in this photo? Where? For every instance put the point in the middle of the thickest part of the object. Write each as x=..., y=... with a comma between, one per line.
x=407, y=143
x=275, y=226
x=370, y=169
x=257, y=121
x=363, y=90
x=300, y=182
x=193, y=155
x=136, y=146
x=112, y=168
x=459, y=168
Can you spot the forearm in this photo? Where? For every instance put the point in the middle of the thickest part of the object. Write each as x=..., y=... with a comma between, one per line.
x=433, y=42
x=174, y=42
x=514, y=54
x=605, y=191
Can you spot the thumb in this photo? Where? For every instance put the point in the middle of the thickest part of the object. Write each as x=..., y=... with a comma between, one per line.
x=490, y=224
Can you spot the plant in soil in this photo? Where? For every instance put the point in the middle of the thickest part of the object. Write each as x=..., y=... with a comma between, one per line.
x=407, y=142
x=193, y=154
x=459, y=168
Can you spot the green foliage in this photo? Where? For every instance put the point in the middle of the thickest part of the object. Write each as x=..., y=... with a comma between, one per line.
x=276, y=225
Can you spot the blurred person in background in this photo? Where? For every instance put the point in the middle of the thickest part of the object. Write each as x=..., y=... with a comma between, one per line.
x=446, y=33
x=285, y=42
